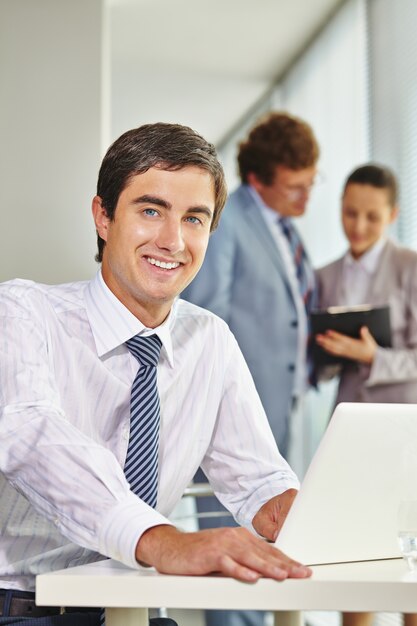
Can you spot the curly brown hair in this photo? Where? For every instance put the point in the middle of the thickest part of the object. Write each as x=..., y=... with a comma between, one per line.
x=277, y=139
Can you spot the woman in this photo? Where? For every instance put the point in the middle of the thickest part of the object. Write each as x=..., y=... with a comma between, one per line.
x=378, y=272
x=373, y=271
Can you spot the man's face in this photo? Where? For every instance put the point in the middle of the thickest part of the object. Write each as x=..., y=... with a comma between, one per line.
x=289, y=192
x=366, y=215
x=157, y=240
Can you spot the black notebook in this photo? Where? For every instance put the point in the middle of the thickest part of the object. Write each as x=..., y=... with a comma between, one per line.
x=349, y=320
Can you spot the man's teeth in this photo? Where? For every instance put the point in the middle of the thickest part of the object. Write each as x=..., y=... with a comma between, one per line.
x=165, y=266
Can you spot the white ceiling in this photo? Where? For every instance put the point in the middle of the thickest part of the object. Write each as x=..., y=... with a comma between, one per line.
x=203, y=62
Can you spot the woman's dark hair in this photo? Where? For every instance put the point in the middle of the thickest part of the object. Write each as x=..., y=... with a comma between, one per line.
x=377, y=176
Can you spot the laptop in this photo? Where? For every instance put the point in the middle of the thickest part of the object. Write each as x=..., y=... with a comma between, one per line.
x=346, y=509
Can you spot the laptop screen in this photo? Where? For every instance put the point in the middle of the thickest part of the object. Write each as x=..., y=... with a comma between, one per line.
x=346, y=509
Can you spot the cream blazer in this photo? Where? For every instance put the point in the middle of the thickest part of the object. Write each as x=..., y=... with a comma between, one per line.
x=393, y=375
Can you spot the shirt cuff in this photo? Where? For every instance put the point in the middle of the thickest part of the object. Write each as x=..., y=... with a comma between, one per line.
x=124, y=525
x=375, y=373
x=262, y=495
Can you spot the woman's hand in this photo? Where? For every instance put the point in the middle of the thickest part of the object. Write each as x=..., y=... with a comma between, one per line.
x=362, y=350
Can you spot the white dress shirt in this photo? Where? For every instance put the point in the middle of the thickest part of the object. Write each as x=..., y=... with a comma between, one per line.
x=358, y=274
x=271, y=218
x=65, y=381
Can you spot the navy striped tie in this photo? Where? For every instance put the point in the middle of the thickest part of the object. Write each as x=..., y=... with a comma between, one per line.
x=141, y=466
x=306, y=283
x=303, y=271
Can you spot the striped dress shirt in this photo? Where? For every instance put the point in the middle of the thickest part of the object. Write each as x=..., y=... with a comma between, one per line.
x=65, y=382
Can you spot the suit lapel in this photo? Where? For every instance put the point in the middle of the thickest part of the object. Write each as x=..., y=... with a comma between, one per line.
x=337, y=296
x=259, y=228
x=380, y=286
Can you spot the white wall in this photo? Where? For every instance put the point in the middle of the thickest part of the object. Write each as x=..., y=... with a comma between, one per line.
x=50, y=127
x=206, y=103
x=393, y=53
x=328, y=88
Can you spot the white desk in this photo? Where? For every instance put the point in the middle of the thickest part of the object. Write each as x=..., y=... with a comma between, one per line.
x=372, y=586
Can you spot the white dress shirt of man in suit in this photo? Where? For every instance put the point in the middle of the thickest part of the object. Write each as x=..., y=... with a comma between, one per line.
x=249, y=276
x=374, y=271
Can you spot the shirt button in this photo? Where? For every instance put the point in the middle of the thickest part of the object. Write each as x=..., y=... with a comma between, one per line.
x=125, y=433
x=56, y=521
x=291, y=367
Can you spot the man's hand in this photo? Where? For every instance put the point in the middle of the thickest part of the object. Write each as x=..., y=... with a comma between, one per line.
x=270, y=517
x=361, y=350
x=232, y=552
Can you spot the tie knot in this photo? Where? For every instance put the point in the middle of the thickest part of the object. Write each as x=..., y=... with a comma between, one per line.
x=285, y=225
x=145, y=349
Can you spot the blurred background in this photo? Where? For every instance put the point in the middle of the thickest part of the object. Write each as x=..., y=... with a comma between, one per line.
x=74, y=75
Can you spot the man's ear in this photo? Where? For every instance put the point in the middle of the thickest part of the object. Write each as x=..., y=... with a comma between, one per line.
x=254, y=182
x=101, y=220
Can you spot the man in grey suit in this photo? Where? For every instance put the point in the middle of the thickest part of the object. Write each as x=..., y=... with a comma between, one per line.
x=257, y=276
x=250, y=277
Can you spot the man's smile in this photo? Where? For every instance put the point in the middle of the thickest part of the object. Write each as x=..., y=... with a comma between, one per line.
x=163, y=264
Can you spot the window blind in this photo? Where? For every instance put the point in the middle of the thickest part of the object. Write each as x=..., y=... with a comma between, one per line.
x=393, y=95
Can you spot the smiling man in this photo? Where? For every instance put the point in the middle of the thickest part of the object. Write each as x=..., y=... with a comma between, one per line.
x=114, y=391
x=157, y=238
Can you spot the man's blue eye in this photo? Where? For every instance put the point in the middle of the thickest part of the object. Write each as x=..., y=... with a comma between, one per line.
x=150, y=212
x=193, y=219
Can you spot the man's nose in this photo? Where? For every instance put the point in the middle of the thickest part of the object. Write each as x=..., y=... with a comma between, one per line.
x=170, y=236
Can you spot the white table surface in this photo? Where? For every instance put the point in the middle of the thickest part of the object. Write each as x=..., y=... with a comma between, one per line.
x=369, y=586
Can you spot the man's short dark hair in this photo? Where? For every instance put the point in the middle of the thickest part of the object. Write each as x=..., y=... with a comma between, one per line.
x=277, y=139
x=166, y=146
x=378, y=176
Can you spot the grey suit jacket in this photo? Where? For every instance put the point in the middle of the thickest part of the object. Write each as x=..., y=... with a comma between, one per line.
x=393, y=374
x=243, y=280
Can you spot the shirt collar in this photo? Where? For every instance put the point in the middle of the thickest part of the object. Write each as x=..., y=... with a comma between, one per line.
x=369, y=260
x=112, y=324
x=271, y=215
